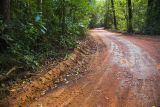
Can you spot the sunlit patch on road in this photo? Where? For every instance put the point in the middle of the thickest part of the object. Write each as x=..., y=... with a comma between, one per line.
x=124, y=62
x=158, y=66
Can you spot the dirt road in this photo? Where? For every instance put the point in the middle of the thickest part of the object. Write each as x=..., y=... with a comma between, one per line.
x=125, y=73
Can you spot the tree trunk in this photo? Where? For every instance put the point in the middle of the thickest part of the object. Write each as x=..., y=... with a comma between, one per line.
x=1, y=8
x=107, y=20
x=5, y=15
x=5, y=10
x=39, y=11
x=114, y=14
x=63, y=18
x=153, y=17
x=39, y=5
x=130, y=15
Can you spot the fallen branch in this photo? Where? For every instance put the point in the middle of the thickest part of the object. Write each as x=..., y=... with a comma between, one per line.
x=2, y=77
x=11, y=70
x=33, y=74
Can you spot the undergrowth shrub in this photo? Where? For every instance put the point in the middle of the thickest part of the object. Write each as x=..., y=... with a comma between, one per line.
x=35, y=31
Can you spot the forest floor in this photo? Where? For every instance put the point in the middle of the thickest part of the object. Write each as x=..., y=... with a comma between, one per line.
x=111, y=70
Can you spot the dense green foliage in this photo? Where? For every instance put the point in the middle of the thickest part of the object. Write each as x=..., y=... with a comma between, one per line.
x=42, y=29
x=33, y=30
x=145, y=15
x=139, y=8
x=97, y=17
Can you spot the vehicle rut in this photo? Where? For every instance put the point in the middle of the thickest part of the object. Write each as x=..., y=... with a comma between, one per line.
x=124, y=74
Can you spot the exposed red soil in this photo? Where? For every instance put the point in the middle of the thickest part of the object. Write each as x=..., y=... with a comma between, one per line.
x=124, y=72
x=22, y=94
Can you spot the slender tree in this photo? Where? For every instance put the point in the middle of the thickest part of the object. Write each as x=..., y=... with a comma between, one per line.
x=39, y=5
x=5, y=15
x=39, y=10
x=153, y=17
x=1, y=7
x=114, y=14
x=107, y=16
x=63, y=17
x=130, y=16
x=5, y=10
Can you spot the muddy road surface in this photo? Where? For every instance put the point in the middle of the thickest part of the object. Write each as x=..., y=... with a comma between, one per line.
x=125, y=73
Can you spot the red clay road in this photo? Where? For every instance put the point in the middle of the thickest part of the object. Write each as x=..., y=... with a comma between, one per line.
x=125, y=73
